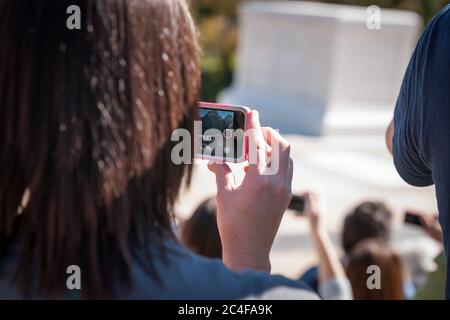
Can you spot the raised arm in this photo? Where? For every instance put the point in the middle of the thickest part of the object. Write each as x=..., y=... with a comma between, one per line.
x=333, y=282
x=390, y=135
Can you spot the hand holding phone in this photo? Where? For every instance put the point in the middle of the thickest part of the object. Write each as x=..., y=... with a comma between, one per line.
x=258, y=198
x=429, y=223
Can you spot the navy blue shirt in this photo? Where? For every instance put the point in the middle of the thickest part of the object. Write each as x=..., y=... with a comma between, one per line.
x=421, y=143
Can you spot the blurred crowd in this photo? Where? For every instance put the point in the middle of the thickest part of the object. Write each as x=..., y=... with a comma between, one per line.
x=371, y=266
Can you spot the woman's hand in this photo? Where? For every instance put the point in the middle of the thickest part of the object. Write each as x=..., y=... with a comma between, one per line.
x=249, y=214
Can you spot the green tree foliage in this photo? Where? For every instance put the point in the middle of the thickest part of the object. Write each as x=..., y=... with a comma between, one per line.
x=217, y=23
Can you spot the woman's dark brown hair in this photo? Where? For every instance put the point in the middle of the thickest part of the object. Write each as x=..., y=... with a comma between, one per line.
x=85, y=123
x=381, y=254
x=200, y=232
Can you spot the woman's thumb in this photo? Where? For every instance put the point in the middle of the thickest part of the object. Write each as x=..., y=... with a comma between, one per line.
x=224, y=175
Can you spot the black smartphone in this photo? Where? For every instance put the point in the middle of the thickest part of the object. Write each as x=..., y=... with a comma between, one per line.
x=222, y=132
x=297, y=204
x=413, y=218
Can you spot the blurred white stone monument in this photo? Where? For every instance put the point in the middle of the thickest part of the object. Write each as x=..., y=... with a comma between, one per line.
x=314, y=68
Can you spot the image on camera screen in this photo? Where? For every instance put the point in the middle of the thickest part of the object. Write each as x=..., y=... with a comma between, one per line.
x=222, y=133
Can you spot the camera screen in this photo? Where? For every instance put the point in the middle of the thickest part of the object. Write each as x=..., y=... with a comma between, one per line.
x=222, y=133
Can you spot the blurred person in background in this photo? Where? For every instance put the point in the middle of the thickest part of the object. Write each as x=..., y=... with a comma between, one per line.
x=373, y=252
x=418, y=136
x=332, y=280
x=374, y=220
x=368, y=220
x=86, y=118
x=200, y=234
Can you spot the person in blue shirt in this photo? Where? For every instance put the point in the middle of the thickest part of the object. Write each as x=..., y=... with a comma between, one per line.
x=419, y=135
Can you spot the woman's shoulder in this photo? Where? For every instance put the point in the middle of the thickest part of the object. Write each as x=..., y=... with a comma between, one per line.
x=184, y=275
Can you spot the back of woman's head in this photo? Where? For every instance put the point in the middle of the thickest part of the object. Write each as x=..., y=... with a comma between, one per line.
x=368, y=220
x=369, y=260
x=200, y=232
x=85, y=122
